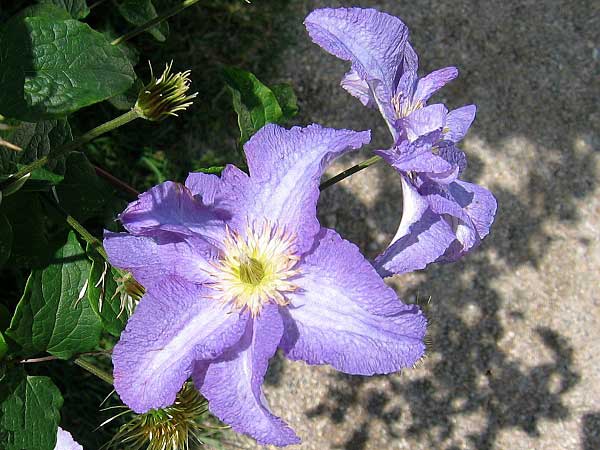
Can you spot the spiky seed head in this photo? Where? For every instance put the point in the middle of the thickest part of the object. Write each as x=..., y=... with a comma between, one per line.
x=165, y=96
x=176, y=427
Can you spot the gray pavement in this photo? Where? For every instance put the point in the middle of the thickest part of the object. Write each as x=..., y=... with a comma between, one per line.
x=515, y=326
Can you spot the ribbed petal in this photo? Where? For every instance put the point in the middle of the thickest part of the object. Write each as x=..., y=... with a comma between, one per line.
x=480, y=206
x=422, y=237
x=373, y=41
x=358, y=87
x=150, y=259
x=343, y=314
x=458, y=122
x=417, y=156
x=233, y=383
x=175, y=324
x=203, y=185
x=64, y=441
x=430, y=84
x=424, y=121
x=285, y=169
x=170, y=208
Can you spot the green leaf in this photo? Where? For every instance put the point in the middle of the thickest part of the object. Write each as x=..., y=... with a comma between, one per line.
x=6, y=239
x=53, y=315
x=255, y=103
x=77, y=9
x=287, y=100
x=3, y=346
x=51, y=67
x=30, y=411
x=36, y=140
x=102, y=288
x=138, y=12
x=82, y=194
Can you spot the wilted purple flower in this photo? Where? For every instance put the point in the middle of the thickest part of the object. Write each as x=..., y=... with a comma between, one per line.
x=443, y=218
x=64, y=441
x=238, y=266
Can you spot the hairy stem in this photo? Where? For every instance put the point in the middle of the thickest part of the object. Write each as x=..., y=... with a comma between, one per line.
x=164, y=16
x=351, y=171
x=94, y=370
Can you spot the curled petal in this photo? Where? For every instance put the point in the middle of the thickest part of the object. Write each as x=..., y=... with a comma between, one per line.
x=480, y=206
x=422, y=237
x=358, y=87
x=373, y=41
x=174, y=324
x=232, y=383
x=458, y=122
x=430, y=84
x=170, y=208
x=344, y=314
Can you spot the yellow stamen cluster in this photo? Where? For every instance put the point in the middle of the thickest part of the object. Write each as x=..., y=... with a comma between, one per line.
x=406, y=108
x=255, y=268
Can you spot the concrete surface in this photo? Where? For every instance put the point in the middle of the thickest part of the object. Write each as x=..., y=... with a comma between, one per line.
x=515, y=326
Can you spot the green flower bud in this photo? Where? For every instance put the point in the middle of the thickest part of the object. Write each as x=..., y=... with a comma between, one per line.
x=165, y=96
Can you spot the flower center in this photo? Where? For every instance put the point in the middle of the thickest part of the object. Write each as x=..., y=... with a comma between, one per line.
x=404, y=106
x=252, y=270
x=255, y=268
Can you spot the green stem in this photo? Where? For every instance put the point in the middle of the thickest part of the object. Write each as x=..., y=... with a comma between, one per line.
x=94, y=370
x=352, y=170
x=82, y=140
x=164, y=16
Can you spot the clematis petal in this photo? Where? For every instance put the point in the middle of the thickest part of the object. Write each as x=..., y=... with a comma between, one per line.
x=174, y=324
x=343, y=314
x=453, y=155
x=285, y=169
x=441, y=202
x=479, y=203
x=64, y=441
x=170, y=208
x=416, y=156
x=422, y=237
x=424, y=121
x=430, y=84
x=150, y=259
x=358, y=87
x=373, y=41
x=458, y=122
x=204, y=185
x=232, y=383
x=480, y=206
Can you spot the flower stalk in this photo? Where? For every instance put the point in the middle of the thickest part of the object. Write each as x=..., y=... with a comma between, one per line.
x=94, y=370
x=351, y=171
x=73, y=145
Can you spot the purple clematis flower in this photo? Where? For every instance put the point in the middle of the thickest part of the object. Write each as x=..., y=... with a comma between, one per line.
x=443, y=218
x=64, y=441
x=238, y=266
